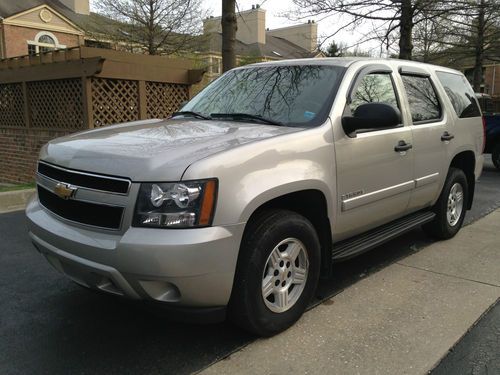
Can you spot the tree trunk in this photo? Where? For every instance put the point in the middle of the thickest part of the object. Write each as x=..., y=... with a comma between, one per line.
x=229, y=27
x=151, y=31
x=479, y=50
x=406, y=30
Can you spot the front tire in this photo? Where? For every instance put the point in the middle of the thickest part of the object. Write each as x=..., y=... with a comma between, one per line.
x=451, y=206
x=277, y=272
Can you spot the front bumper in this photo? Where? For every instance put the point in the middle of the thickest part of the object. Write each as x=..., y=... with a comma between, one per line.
x=185, y=268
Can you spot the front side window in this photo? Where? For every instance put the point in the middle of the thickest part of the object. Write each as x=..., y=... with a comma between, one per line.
x=292, y=95
x=374, y=88
x=423, y=100
x=460, y=94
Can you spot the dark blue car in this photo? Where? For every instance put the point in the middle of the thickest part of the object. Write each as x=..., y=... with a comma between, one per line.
x=492, y=128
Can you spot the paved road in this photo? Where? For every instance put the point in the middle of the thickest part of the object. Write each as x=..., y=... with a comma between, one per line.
x=50, y=325
x=478, y=352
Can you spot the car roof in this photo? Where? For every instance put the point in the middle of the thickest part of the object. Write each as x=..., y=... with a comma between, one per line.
x=348, y=61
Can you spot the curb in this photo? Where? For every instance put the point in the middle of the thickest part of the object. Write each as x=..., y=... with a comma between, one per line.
x=14, y=200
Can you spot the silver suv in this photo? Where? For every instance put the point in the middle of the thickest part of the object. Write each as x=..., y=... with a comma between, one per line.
x=242, y=200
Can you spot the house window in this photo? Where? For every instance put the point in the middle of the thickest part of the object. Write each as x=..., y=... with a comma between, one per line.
x=216, y=65
x=31, y=49
x=44, y=42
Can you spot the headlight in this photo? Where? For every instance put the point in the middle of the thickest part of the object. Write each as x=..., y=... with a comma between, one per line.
x=176, y=205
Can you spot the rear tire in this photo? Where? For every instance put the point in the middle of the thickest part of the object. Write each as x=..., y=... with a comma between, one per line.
x=495, y=156
x=277, y=272
x=451, y=207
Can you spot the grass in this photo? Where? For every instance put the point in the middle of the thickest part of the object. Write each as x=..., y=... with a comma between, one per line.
x=17, y=187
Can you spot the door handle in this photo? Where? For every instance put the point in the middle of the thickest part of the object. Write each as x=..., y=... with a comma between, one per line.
x=447, y=137
x=402, y=146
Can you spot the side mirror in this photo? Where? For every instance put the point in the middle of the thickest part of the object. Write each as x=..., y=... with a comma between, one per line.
x=371, y=116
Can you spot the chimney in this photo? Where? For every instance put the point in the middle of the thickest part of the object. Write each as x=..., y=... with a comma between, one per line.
x=78, y=6
x=305, y=35
x=212, y=25
x=252, y=25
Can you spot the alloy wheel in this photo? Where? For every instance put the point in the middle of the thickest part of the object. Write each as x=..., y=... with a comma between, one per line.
x=285, y=275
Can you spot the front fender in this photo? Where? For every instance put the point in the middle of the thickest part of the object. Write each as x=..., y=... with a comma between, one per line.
x=253, y=174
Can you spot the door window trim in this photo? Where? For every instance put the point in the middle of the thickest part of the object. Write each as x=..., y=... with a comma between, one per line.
x=362, y=73
x=414, y=73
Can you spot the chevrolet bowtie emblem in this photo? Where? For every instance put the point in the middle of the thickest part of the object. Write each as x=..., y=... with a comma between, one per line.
x=65, y=191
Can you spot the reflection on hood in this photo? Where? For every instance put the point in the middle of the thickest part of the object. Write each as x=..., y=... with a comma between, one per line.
x=137, y=149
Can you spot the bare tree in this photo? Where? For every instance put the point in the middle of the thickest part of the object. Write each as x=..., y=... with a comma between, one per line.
x=469, y=34
x=397, y=16
x=428, y=36
x=155, y=26
x=229, y=27
x=482, y=26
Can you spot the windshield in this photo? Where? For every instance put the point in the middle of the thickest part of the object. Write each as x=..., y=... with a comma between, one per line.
x=293, y=95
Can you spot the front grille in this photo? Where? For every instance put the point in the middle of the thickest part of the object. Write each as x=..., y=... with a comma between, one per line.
x=81, y=212
x=83, y=179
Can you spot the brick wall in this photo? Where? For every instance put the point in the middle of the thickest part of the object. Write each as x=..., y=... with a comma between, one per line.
x=492, y=79
x=34, y=110
x=17, y=39
x=19, y=150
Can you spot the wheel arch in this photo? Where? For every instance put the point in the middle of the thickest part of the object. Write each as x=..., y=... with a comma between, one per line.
x=466, y=161
x=312, y=204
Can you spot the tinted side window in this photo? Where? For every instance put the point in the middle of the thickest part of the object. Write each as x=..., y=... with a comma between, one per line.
x=423, y=100
x=375, y=87
x=460, y=93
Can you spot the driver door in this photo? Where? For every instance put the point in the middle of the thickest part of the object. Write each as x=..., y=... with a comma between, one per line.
x=374, y=178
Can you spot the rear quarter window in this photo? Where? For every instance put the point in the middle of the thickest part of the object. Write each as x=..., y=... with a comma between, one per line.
x=460, y=94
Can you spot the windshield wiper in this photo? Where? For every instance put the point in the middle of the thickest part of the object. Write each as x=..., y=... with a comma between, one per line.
x=192, y=114
x=245, y=116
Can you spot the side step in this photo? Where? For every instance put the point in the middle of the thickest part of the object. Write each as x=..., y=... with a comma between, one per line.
x=356, y=245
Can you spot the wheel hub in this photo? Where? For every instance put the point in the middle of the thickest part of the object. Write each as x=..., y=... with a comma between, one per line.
x=285, y=275
x=455, y=204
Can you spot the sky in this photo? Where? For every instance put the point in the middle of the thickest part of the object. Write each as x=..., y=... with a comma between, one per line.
x=275, y=18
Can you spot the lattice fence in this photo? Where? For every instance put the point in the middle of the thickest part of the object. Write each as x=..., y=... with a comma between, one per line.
x=114, y=101
x=61, y=92
x=12, y=105
x=56, y=104
x=164, y=98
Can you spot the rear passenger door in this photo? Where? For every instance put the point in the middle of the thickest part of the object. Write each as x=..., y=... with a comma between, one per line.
x=431, y=135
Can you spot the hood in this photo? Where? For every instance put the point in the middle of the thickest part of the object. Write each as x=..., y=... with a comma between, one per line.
x=152, y=150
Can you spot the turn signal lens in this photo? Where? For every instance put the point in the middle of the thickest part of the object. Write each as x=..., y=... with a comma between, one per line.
x=208, y=203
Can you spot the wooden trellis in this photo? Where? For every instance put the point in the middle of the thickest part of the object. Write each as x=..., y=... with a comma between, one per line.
x=88, y=87
x=11, y=105
x=163, y=100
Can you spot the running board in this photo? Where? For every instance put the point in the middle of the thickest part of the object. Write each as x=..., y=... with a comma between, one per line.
x=351, y=247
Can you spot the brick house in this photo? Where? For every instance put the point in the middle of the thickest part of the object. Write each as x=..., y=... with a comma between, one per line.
x=491, y=78
x=33, y=26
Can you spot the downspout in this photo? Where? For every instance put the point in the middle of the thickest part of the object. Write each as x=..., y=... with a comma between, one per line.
x=2, y=38
x=493, y=80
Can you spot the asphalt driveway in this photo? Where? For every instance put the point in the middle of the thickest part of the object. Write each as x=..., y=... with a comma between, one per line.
x=50, y=325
